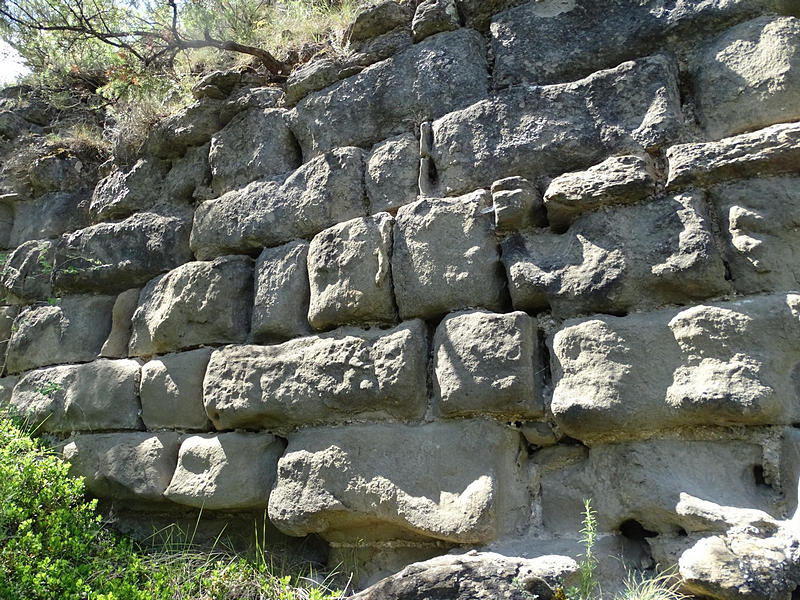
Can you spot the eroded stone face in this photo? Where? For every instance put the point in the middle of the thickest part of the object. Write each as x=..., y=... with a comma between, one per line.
x=457, y=482
x=392, y=174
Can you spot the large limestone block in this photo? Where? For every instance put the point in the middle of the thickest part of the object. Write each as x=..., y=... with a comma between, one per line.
x=188, y=173
x=441, y=74
x=280, y=309
x=230, y=471
x=172, y=391
x=377, y=18
x=256, y=144
x=71, y=331
x=124, y=466
x=537, y=131
x=749, y=77
x=724, y=363
x=116, y=345
x=484, y=364
x=556, y=40
x=97, y=396
x=123, y=193
x=27, y=272
x=446, y=257
x=455, y=481
x=392, y=173
x=320, y=379
x=349, y=272
x=201, y=302
x=618, y=259
x=49, y=216
x=326, y=190
x=760, y=220
x=774, y=150
x=191, y=126
x=434, y=16
x=113, y=257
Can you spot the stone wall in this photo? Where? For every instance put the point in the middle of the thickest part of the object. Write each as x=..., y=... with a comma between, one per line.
x=499, y=258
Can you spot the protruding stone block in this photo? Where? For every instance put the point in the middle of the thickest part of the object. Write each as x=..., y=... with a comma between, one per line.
x=27, y=272
x=517, y=205
x=229, y=471
x=377, y=18
x=49, y=216
x=484, y=365
x=393, y=173
x=326, y=190
x=344, y=374
x=446, y=257
x=123, y=193
x=434, y=16
x=124, y=466
x=96, y=396
x=460, y=484
x=116, y=346
x=201, y=302
x=349, y=271
x=172, y=391
x=191, y=126
x=280, y=310
x=618, y=259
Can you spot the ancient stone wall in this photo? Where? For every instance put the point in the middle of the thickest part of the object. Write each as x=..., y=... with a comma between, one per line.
x=499, y=258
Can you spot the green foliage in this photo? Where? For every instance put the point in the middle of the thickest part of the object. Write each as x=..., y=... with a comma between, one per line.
x=587, y=587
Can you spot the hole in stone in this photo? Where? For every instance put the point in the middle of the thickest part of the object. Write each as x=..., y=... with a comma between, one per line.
x=728, y=275
x=682, y=532
x=758, y=475
x=633, y=530
x=635, y=549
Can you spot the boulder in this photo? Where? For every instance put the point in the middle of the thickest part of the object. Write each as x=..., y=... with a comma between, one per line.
x=484, y=364
x=315, y=75
x=114, y=257
x=123, y=193
x=349, y=272
x=345, y=374
x=228, y=471
x=445, y=257
x=724, y=363
x=256, y=144
x=191, y=126
x=71, y=331
x=434, y=16
x=392, y=174
x=377, y=18
x=749, y=77
x=201, y=302
x=545, y=130
x=124, y=466
x=280, y=309
x=460, y=483
x=116, y=346
x=96, y=396
x=49, y=216
x=326, y=190
x=27, y=272
x=171, y=391
x=427, y=80
x=517, y=205
x=618, y=259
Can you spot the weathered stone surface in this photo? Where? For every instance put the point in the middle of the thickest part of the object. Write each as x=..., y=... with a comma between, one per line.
x=774, y=150
x=280, y=309
x=445, y=257
x=256, y=144
x=749, y=77
x=377, y=18
x=475, y=575
x=113, y=257
x=71, y=331
x=191, y=126
x=517, y=205
x=49, y=216
x=557, y=40
x=538, y=131
x=7, y=316
x=57, y=171
x=392, y=173
x=7, y=385
x=187, y=174
x=618, y=259
x=171, y=391
x=374, y=50
x=349, y=272
x=760, y=220
x=326, y=190
x=217, y=84
x=443, y=73
x=123, y=193
x=484, y=365
x=460, y=484
x=96, y=396
x=27, y=271
x=201, y=302
x=116, y=346
x=616, y=180
x=227, y=471
x=713, y=364
x=478, y=13
x=124, y=466
x=644, y=481
x=327, y=378
x=311, y=77
x=6, y=219
x=434, y=16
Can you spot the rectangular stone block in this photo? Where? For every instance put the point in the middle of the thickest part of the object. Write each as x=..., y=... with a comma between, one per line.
x=393, y=173
x=719, y=364
x=441, y=74
x=543, y=131
x=446, y=256
x=201, y=302
x=345, y=374
x=618, y=259
x=484, y=364
x=123, y=193
x=49, y=216
x=96, y=396
x=326, y=190
x=456, y=481
x=27, y=272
